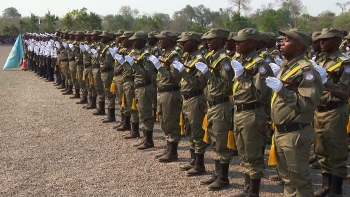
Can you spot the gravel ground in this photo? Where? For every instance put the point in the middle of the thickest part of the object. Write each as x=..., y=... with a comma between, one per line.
x=52, y=147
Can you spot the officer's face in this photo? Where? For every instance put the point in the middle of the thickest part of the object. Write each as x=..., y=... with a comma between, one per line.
x=164, y=43
x=213, y=43
x=188, y=45
x=152, y=41
x=348, y=42
x=88, y=38
x=138, y=44
x=289, y=46
x=244, y=46
x=327, y=44
x=126, y=43
x=231, y=45
x=316, y=46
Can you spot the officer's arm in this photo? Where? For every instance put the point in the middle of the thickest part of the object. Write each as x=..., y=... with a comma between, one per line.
x=308, y=94
x=197, y=80
x=224, y=80
x=343, y=83
x=147, y=70
x=257, y=85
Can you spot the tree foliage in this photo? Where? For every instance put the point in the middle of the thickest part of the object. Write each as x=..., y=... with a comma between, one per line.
x=279, y=14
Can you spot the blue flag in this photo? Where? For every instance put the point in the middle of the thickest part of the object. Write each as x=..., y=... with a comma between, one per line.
x=16, y=55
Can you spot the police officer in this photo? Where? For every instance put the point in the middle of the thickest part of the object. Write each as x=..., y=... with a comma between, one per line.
x=250, y=94
x=219, y=89
x=194, y=101
x=332, y=115
x=169, y=97
x=292, y=108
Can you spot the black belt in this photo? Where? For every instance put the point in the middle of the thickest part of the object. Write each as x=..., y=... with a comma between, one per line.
x=218, y=101
x=246, y=106
x=96, y=66
x=192, y=94
x=64, y=60
x=291, y=127
x=106, y=69
x=118, y=73
x=130, y=79
x=330, y=106
x=168, y=89
x=143, y=84
x=87, y=65
x=72, y=59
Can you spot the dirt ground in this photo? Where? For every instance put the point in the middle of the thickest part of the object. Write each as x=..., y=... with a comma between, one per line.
x=50, y=146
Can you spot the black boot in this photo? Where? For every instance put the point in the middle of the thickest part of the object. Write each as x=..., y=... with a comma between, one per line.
x=148, y=140
x=89, y=99
x=326, y=185
x=164, y=152
x=122, y=120
x=172, y=153
x=76, y=95
x=65, y=89
x=69, y=90
x=134, y=133
x=336, y=186
x=189, y=165
x=244, y=193
x=110, y=116
x=126, y=125
x=214, y=176
x=58, y=83
x=101, y=109
x=83, y=100
x=62, y=86
x=254, y=188
x=198, y=168
x=92, y=104
x=222, y=180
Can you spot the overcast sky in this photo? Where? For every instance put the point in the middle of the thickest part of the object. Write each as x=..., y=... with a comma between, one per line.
x=104, y=7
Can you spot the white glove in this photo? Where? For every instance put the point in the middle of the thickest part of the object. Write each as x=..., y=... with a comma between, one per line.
x=57, y=44
x=94, y=52
x=71, y=47
x=82, y=48
x=115, y=49
x=64, y=44
x=155, y=61
x=130, y=60
x=274, y=83
x=119, y=58
x=278, y=60
x=179, y=66
x=88, y=50
x=201, y=67
x=347, y=48
x=322, y=73
x=275, y=68
x=237, y=67
x=313, y=62
x=87, y=47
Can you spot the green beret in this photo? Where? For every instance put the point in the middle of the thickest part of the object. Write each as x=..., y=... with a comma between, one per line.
x=331, y=33
x=191, y=35
x=139, y=35
x=298, y=34
x=127, y=34
x=106, y=34
x=247, y=34
x=167, y=34
x=217, y=32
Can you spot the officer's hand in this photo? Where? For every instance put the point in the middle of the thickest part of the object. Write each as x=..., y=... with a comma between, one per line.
x=202, y=67
x=179, y=66
x=119, y=58
x=94, y=52
x=322, y=73
x=278, y=60
x=130, y=60
x=82, y=48
x=275, y=68
x=313, y=62
x=71, y=47
x=274, y=83
x=155, y=61
x=237, y=67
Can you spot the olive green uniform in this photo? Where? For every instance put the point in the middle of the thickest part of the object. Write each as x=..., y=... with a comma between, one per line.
x=96, y=72
x=332, y=116
x=80, y=71
x=106, y=67
x=194, y=101
x=73, y=67
x=87, y=61
x=219, y=88
x=250, y=95
x=292, y=112
x=145, y=92
x=65, y=64
x=169, y=97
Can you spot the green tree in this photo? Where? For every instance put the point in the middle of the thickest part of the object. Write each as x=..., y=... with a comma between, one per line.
x=49, y=23
x=11, y=12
